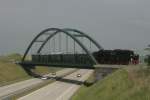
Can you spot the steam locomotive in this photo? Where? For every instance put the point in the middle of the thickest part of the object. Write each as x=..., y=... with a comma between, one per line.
x=117, y=56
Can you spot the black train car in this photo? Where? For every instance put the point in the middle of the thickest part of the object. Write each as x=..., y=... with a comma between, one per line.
x=124, y=56
x=116, y=56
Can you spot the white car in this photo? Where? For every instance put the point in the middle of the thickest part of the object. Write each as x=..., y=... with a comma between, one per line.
x=44, y=78
x=53, y=75
x=78, y=75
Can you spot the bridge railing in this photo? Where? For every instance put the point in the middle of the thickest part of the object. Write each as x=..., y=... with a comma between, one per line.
x=73, y=59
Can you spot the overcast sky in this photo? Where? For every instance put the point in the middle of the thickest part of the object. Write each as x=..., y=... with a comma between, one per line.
x=113, y=23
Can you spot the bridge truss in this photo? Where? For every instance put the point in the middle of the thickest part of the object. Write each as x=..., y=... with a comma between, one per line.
x=60, y=48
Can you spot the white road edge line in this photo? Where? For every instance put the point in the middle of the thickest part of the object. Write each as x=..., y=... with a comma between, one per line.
x=73, y=85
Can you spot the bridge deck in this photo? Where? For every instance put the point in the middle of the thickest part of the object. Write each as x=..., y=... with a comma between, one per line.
x=109, y=66
x=65, y=65
x=79, y=66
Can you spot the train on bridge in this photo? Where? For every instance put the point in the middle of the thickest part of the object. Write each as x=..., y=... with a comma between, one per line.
x=117, y=57
x=85, y=51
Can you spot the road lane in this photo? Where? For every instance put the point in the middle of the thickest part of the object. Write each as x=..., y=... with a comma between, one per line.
x=13, y=89
x=59, y=90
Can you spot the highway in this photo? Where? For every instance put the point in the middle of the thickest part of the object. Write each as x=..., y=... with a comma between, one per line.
x=62, y=89
x=14, y=89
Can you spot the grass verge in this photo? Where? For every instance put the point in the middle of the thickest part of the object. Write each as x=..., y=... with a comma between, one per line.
x=12, y=73
x=130, y=83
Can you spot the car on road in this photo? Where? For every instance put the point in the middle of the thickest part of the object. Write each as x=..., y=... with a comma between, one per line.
x=53, y=73
x=78, y=75
x=44, y=78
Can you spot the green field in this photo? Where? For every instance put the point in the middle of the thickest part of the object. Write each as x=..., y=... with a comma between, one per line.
x=11, y=73
x=132, y=83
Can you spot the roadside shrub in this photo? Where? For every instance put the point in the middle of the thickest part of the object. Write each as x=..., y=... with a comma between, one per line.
x=147, y=60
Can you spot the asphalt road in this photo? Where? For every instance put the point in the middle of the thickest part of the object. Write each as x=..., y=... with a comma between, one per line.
x=13, y=89
x=62, y=89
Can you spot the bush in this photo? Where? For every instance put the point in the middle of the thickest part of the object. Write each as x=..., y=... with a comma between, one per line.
x=147, y=60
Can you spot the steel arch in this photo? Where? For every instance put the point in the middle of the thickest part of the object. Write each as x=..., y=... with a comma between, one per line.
x=87, y=36
x=57, y=30
x=72, y=30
